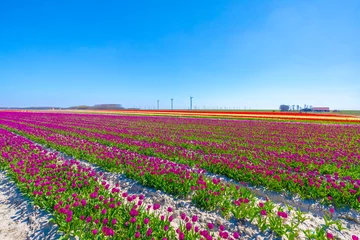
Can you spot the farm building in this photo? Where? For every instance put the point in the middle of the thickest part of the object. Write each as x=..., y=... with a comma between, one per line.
x=321, y=109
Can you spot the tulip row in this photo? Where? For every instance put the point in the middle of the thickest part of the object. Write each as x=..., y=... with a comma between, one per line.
x=80, y=205
x=207, y=194
x=84, y=207
x=269, y=168
x=230, y=145
x=272, y=116
x=150, y=130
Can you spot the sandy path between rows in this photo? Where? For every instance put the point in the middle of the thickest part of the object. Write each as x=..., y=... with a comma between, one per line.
x=19, y=219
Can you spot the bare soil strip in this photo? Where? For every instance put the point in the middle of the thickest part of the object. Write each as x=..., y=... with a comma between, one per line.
x=178, y=205
x=313, y=210
x=19, y=219
x=22, y=220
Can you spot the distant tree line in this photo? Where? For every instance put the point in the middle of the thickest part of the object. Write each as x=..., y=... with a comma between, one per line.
x=286, y=108
x=80, y=107
x=99, y=107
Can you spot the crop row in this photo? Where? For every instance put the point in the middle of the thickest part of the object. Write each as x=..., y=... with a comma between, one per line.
x=279, y=140
x=206, y=193
x=215, y=136
x=82, y=206
x=339, y=188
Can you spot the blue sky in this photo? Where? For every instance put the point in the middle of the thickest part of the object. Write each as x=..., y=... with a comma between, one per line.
x=233, y=54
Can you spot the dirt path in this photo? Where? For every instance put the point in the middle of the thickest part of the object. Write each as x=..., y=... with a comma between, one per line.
x=19, y=219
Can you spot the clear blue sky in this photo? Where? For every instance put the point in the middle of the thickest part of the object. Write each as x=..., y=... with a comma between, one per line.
x=254, y=53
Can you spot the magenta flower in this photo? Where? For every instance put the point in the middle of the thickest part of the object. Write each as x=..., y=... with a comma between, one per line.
x=236, y=235
x=93, y=195
x=88, y=219
x=137, y=235
x=204, y=233
x=263, y=212
x=103, y=211
x=113, y=222
x=188, y=226
x=156, y=206
x=222, y=228
x=216, y=181
x=94, y=231
x=224, y=235
x=329, y=235
x=149, y=232
x=210, y=226
x=146, y=221
x=194, y=218
x=69, y=218
x=181, y=236
x=282, y=214
x=134, y=212
x=110, y=232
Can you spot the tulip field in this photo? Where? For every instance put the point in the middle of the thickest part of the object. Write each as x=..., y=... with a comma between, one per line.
x=59, y=161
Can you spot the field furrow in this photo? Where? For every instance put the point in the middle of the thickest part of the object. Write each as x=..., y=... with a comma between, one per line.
x=331, y=179
x=192, y=169
x=82, y=206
